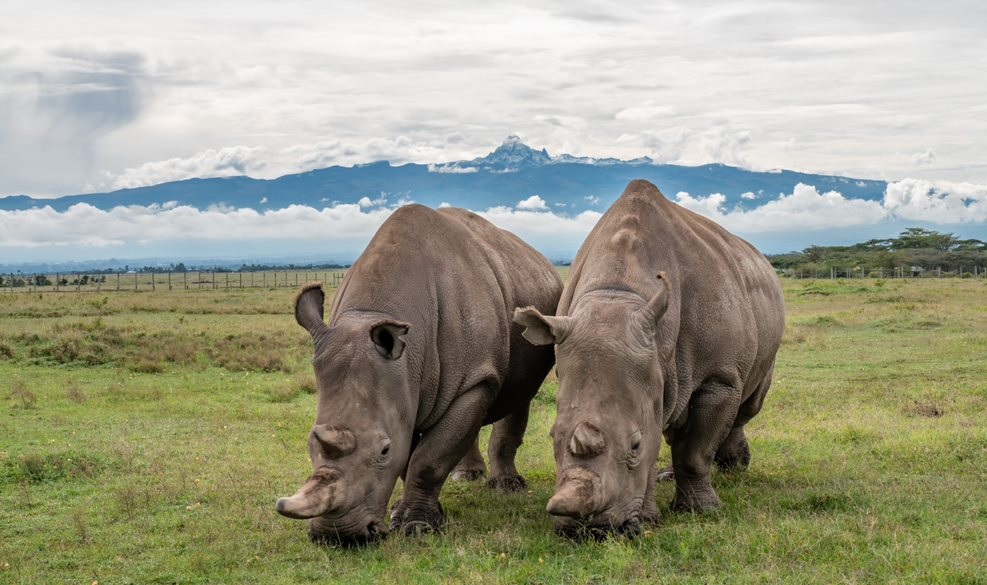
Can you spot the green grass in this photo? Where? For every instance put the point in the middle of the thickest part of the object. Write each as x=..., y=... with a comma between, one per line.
x=145, y=437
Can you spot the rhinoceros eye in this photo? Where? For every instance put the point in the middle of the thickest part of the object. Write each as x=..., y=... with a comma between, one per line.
x=385, y=448
x=636, y=442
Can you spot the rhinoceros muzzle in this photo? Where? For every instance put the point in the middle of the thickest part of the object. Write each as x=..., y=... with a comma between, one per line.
x=321, y=494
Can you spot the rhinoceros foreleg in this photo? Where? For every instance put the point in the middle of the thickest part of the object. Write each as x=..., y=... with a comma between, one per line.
x=441, y=447
x=712, y=411
x=505, y=439
x=649, y=509
x=471, y=467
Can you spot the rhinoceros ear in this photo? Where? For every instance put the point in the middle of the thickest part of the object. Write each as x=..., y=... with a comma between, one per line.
x=388, y=338
x=542, y=329
x=656, y=307
x=309, y=308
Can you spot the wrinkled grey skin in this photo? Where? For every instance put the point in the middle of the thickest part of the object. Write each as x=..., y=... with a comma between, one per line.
x=668, y=324
x=419, y=353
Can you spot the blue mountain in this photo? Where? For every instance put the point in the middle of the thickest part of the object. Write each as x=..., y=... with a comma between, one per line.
x=512, y=172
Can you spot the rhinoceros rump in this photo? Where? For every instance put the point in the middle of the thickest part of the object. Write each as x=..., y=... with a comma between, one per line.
x=419, y=353
x=668, y=324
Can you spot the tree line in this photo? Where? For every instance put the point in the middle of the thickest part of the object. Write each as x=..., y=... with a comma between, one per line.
x=914, y=247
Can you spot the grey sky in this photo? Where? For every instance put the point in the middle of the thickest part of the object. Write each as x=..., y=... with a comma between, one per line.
x=111, y=94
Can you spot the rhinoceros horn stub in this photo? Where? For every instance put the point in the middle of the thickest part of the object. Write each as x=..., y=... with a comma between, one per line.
x=336, y=442
x=577, y=494
x=320, y=494
x=587, y=441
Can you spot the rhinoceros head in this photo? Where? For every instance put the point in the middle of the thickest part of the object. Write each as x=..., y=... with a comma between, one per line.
x=361, y=439
x=608, y=428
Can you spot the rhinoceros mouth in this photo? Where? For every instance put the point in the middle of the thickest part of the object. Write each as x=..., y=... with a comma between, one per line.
x=350, y=537
x=597, y=529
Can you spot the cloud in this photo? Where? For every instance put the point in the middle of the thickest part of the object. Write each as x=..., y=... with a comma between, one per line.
x=82, y=231
x=533, y=203
x=56, y=103
x=592, y=199
x=646, y=112
x=923, y=158
x=366, y=202
x=224, y=162
x=87, y=226
x=804, y=209
x=455, y=169
x=544, y=230
x=937, y=201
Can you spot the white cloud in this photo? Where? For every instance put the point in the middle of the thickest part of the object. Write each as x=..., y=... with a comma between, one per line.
x=87, y=226
x=647, y=112
x=543, y=228
x=533, y=203
x=923, y=158
x=454, y=169
x=592, y=199
x=366, y=202
x=224, y=162
x=748, y=196
x=804, y=209
x=937, y=201
x=346, y=226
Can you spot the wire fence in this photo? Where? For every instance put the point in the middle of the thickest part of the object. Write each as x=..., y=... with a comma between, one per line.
x=166, y=281
x=894, y=272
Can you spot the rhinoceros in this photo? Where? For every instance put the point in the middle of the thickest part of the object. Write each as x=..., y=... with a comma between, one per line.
x=667, y=324
x=420, y=351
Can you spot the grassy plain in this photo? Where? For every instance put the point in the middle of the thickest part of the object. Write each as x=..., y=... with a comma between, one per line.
x=144, y=437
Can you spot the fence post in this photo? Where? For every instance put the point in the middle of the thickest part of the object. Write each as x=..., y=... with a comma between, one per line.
x=135, y=280
x=152, y=280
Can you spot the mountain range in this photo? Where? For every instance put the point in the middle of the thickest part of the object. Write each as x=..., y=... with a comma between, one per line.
x=511, y=173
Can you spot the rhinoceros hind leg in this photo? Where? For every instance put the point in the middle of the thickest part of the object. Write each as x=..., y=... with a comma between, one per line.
x=504, y=442
x=734, y=453
x=471, y=467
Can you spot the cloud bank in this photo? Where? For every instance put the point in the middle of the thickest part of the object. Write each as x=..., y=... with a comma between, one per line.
x=87, y=231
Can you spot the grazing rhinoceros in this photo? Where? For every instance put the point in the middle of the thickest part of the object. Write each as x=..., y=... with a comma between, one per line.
x=419, y=353
x=667, y=324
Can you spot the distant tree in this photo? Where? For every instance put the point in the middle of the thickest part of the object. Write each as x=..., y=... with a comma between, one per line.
x=913, y=238
x=41, y=280
x=180, y=267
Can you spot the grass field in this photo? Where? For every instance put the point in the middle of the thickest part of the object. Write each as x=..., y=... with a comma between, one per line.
x=145, y=436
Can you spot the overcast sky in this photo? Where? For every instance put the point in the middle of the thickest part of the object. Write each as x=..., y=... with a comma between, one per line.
x=110, y=94
x=105, y=95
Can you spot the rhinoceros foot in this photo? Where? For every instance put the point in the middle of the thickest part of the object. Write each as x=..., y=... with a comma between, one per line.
x=468, y=474
x=507, y=483
x=733, y=457
x=697, y=501
x=413, y=521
